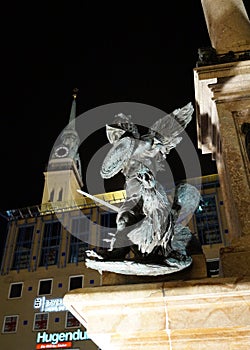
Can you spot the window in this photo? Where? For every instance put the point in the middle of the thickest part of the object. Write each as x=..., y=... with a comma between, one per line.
x=71, y=321
x=60, y=195
x=107, y=225
x=10, y=324
x=50, y=245
x=213, y=267
x=80, y=229
x=45, y=287
x=15, y=290
x=75, y=282
x=51, y=197
x=208, y=220
x=77, y=250
x=22, y=254
x=41, y=321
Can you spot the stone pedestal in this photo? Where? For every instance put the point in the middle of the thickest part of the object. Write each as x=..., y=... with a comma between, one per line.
x=204, y=314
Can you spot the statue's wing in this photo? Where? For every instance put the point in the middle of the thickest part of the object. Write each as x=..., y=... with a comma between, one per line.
x=171, y=125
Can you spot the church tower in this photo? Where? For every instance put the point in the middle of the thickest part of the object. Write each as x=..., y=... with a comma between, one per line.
x=64, y=176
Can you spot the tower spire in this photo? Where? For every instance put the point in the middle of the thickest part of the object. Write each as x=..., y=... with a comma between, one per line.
x=75, y=92
x=64, y=175
x=71, y=127
x=72, y=116
x=70, y=140
x=73, y=107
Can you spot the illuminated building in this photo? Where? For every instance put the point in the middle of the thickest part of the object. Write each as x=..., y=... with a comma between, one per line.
x=44, y=252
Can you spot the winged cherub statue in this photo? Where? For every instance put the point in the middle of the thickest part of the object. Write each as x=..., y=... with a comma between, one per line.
x=148, y=224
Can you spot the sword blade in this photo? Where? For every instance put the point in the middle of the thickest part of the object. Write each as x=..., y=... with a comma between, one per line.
x=100, y=201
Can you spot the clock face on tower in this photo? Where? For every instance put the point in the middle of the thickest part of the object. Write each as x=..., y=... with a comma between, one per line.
x=61, y=151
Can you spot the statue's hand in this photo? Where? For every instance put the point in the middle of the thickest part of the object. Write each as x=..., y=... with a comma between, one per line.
x=111, y=241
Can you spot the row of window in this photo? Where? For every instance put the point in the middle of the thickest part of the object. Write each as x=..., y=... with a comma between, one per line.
x=45, y=286
x=40, y=323
x=206, y=217
x=51, y=238
x=50, y=245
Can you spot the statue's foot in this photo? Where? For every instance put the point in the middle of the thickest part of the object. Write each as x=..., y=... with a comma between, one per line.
x=177, y=259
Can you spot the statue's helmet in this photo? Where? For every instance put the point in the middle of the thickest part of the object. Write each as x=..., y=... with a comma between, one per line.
x=122, y=124
x=114, y=133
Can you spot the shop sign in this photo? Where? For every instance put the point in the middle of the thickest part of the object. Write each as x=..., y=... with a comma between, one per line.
x=64, y=345
x=49, y=305
x=44, y=338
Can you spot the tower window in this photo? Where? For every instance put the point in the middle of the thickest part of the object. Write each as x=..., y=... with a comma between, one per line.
x=60, y=195
x=51, y=197
x=51, y=242
x=22, y=254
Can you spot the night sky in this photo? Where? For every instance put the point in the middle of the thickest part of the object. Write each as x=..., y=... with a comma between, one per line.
x=122, y=53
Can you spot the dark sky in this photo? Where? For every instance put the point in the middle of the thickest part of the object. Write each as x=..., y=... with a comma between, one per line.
x=124, y=53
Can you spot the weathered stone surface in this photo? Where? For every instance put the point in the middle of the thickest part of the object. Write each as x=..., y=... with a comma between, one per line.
x=197, y=314
x=235, y=259
x=228, y=25
x=223, y=105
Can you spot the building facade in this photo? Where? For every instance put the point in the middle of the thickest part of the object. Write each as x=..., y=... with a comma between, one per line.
x=43, y=260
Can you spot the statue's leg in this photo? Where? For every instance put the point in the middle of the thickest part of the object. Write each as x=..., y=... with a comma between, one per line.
x=179, y=242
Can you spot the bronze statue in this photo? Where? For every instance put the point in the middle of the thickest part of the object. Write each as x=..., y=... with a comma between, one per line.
x=151, y=236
